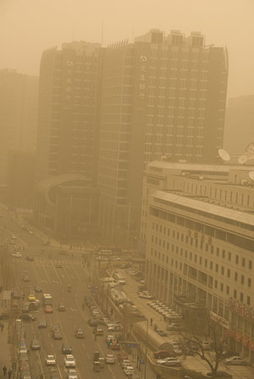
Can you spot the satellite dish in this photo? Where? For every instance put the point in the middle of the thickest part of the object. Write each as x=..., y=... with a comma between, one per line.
x=251, y=175
x=242, y=159
x=224, y=155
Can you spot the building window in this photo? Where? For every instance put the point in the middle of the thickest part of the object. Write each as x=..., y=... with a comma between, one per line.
x=236, y=259
x=250, y=265
x=228, y=273
x=229, y=256
x=248, y=300
x=236, y=276
x=221, y=287
x=241, y=297
x=222, y=270
x=227, y=290
x=249, y=282
x=243, y=262
x=235, y=294
x=216, y=267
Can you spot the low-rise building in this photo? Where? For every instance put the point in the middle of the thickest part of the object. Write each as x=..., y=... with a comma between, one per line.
x=197, y=233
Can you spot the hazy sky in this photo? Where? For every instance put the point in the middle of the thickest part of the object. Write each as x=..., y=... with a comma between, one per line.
x=27, y=27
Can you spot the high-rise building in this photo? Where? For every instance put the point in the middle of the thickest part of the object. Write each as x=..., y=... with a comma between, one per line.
x=161, y=95
x=67, y=140
x=68, y=110
x=198, y=233
x=18, y=116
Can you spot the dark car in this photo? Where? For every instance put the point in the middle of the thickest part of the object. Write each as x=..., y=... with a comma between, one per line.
x=42, y=324
x=161, y=354
x=66, y=349
x=27, y=317
x=38, y=289
x=161, y=332
x=57, y=335
x=28, y=258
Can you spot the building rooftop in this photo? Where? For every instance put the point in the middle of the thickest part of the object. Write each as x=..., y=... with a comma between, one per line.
x=196, y=167
x=203, y=207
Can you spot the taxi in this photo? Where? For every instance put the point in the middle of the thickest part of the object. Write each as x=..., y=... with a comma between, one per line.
x=31, y=297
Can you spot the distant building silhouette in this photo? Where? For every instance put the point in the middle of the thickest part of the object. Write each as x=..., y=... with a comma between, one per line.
x=68, y=114
x=18, y=115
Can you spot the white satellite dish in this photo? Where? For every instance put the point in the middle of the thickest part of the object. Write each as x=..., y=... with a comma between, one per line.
x=224, y=155
x=251, y=175
x=242, y=159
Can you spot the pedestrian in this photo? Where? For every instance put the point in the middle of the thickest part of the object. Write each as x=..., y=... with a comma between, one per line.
x=2, y=326
x=9, y=373
x=4, y=370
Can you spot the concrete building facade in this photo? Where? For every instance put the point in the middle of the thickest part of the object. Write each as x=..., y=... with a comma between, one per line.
x=161, y=95
x=197, y=230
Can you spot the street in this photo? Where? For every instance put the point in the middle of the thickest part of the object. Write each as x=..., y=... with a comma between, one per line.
x=43, y=273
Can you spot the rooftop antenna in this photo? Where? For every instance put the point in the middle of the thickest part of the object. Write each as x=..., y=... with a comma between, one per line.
x=224, y=155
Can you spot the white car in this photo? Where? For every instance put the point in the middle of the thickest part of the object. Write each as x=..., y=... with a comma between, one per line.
x=110, y=358
x=128, y=370
x=50, y=360
x=17, y=254
x=170, y=361
x=235, y=360
x=69, y=361
x=125, y=363
x=72, y=374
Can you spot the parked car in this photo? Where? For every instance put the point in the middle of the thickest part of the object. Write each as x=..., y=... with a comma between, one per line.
x=161, y=354
x=236, y=360
x=161, y=332
x=169, y=361
x=61, y=308
x=174, y=327
x=219, y=374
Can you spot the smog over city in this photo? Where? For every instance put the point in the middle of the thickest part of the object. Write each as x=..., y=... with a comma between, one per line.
x=126, y=189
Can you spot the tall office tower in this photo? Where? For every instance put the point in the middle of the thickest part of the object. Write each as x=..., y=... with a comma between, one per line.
x=18, y=115
x=68, y=114
x=161, y=95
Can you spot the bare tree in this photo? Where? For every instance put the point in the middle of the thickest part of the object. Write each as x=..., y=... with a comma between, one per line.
x=195, y=346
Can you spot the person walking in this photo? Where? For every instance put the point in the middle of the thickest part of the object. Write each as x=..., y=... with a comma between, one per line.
x=9, y=373
x=4, y=370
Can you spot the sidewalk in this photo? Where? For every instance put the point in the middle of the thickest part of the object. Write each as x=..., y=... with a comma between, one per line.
x=5, y=349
